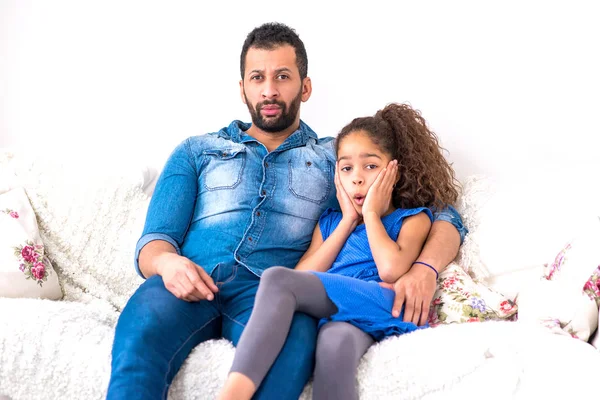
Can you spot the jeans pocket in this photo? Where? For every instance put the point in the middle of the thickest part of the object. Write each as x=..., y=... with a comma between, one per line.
x=223, y=168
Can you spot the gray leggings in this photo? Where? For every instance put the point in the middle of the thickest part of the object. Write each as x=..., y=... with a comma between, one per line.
x=340, y=346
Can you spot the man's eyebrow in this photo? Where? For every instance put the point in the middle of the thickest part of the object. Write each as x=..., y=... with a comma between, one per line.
x=361, y=155
x=277, y=71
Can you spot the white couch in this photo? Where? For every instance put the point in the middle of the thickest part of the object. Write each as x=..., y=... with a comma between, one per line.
x=90, y=217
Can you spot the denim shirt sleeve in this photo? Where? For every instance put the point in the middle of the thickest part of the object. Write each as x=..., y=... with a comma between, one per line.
x=172, y=205
x=449, y=214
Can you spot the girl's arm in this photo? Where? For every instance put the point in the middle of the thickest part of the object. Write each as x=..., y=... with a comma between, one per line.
x=394, y=259
x=321, y=254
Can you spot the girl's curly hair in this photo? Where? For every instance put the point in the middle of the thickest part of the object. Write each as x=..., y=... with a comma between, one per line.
x=426, y=178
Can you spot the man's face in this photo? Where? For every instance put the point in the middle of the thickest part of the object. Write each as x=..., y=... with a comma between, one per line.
x=272, y=88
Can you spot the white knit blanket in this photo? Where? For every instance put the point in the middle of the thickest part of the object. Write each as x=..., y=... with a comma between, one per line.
x=61, y=350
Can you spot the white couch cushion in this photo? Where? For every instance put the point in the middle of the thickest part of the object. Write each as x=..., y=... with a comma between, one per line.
x=69, y=358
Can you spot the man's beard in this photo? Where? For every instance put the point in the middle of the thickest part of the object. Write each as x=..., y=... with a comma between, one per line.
x=275, y=124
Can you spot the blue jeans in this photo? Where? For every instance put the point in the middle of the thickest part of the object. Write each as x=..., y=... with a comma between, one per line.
x=156, y=332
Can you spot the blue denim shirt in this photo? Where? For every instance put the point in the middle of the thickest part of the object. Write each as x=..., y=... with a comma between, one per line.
x=224, y=198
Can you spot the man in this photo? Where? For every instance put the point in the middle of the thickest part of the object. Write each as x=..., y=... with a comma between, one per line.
x=227, y=206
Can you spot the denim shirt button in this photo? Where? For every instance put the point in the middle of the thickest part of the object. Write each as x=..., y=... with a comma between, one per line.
x=263, y=193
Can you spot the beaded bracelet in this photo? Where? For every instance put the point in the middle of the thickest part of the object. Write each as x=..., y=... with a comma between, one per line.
x=434, y=270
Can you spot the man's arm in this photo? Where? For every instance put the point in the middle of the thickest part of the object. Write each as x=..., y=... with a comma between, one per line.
x=440, y=248
x=168, y=218
x=416, y=288
x=149, y=257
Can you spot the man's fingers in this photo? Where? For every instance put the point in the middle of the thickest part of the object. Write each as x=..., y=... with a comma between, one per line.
x=424, y=315
x=386, y=285
x=425, y=311
x=191, y=297
x=208, y=280
x=398, y=303
x=417, y=312
x=197, y=286
x=191, y=291
x=178, y=291
x=409, y=309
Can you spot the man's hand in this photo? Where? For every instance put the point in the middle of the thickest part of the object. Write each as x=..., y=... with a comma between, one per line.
x=414, y=290
x=186, y=280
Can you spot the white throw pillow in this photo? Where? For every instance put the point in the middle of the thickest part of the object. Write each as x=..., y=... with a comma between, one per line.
x=516, y=225
x=90, y=209
x=25, y=271
x=567, y=297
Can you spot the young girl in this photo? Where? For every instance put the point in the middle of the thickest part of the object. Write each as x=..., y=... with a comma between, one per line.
x=389, y=172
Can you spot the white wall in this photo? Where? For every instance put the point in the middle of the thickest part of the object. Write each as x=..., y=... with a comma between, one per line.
x=509, y=87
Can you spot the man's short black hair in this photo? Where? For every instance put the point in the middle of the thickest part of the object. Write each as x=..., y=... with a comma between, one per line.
x=271, y=35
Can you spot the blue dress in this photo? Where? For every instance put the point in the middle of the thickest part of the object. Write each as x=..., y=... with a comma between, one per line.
x=352, y=282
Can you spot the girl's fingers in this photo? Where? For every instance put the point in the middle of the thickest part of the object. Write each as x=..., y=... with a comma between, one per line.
x=336, y=180
x=390, y=177
x=379, y=178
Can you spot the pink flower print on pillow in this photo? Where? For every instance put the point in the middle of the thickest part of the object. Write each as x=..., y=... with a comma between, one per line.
x=10, y=212
x=31, y=263
x=552, y=269
x=506, y=306
x=592, y=286
x=28, y=253
x=38, y=270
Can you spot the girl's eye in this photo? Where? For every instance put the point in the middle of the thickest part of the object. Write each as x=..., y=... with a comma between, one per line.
x=371, y=166
x=345, y=169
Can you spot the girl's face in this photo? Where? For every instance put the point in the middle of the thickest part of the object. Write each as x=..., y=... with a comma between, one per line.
x=359, y=162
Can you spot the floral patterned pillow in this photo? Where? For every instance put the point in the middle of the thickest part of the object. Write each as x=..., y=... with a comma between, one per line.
x=567, y=298
x=25, y=271
x=460, y=298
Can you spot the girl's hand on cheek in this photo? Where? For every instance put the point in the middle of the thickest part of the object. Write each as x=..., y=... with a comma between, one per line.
x=379, y=196
x=348, y=210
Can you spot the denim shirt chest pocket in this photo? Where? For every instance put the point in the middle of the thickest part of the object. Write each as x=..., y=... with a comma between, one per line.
x=223, y=167
x=310, y=178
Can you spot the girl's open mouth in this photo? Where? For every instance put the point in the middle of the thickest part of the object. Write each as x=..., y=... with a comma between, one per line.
x=359, y=199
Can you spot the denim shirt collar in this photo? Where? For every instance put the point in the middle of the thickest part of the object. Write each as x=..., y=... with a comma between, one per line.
x=236, y=131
